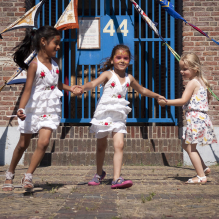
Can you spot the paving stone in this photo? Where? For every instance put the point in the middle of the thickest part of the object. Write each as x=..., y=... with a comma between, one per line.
x=157, y=192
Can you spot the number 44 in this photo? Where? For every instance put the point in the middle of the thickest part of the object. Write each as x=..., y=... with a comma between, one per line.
x=109, y=28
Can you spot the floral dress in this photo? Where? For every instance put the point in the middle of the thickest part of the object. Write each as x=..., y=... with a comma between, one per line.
x=112, y=108
x=199, y=126
x=44, y=106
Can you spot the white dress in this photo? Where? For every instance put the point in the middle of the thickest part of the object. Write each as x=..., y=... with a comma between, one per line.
x=43, y=108
x=112, y=108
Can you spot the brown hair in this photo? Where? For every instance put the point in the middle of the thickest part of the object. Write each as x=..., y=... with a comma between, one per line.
x=107, y=64
x=193, y=62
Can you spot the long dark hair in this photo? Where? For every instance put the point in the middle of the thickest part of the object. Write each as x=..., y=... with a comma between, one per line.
x=32, y=42
x=106, y=65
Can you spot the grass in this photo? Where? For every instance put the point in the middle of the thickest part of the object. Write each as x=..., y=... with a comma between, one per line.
x=148, y=198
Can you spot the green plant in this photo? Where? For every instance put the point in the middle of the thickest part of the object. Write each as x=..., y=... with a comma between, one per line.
x=142, y=198
x=150, y=197
x=179, y=164
x=53, y=190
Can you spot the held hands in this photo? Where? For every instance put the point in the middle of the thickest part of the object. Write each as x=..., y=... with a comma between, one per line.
x=161, y=101
x=77, y=90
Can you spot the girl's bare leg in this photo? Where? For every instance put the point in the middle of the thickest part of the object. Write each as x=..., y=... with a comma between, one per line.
x=118, y=141
x=42, y=144
x=195, y=158
x=22, y=145
x=203, y=164
x=100, y=154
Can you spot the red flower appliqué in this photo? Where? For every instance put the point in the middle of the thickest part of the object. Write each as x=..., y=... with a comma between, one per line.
x=52, y=87
x=44, y=116
x=106, y=123
x=119, y=96
x=113, y=84
x=127, y=85
x=57, y=71
x=42, y=74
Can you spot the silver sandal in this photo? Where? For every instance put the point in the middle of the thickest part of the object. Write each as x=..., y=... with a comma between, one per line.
x=8, y=176
x=26, y=182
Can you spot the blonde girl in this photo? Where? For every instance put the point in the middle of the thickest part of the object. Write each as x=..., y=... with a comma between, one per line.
x=199, y=128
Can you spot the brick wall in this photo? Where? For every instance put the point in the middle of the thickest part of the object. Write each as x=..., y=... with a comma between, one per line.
x=74, y=145
x=205, y=15
x=9, y=97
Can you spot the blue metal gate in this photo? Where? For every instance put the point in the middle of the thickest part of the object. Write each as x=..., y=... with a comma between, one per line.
x=153, y=65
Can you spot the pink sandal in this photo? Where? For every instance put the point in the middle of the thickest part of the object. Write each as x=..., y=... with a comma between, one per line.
x=121, y=183
x=97, y=179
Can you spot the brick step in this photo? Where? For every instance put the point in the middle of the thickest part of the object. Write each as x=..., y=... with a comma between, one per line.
x=89, y=158
x=131, y=145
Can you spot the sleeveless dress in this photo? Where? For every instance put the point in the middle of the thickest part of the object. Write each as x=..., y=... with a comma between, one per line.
x=43, y=108
x=199, y=126
x=112, y=108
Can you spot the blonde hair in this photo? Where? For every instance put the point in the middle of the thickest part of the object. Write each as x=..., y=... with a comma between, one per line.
x=193, y=62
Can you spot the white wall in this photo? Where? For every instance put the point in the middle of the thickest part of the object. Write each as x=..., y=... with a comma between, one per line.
x=209, y=153
x=9, y=137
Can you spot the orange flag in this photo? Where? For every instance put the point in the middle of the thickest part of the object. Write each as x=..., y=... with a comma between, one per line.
x=69, y=19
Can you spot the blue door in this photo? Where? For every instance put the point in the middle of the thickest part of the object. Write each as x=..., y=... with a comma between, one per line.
x=152, y=64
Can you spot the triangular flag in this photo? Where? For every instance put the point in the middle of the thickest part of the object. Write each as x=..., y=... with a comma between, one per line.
x=20, y=79
x=69, y=18
x=28, y=20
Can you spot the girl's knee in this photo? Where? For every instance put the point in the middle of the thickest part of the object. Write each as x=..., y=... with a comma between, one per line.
x=119, y=145
x=43, y=144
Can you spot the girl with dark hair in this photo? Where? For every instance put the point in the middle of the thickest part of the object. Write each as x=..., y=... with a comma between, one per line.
x=111, y=112
x=40, y=105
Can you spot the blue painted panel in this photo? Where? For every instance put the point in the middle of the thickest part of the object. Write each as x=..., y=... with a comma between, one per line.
x=95, y=56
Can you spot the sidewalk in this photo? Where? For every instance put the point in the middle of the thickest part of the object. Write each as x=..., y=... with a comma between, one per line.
x=158, y=192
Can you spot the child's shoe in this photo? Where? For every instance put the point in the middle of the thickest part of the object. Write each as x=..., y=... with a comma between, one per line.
x=121, y=183
x=96, y=180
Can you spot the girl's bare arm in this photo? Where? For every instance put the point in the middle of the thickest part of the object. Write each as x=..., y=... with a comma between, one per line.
x=142, y=90
x=185, y=97
x=31, y=72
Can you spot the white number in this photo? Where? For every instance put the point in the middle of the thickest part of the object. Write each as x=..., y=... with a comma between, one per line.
x=119, y=30
x=125, y=31
x=111, y=31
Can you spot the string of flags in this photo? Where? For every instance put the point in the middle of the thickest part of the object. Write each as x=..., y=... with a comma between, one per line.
x=153, y=25
x=68, y=20
x=169, y=8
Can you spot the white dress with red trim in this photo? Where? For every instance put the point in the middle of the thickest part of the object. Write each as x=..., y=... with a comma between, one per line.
x=112, y=108
x=43, y=109
x=199, y=128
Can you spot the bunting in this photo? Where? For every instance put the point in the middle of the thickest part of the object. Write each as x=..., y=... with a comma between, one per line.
x=153, y=25
x=69, y=19
x=28, y=20
x=169, y=8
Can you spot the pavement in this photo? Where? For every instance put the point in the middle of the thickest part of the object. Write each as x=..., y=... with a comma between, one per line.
x=157, y=192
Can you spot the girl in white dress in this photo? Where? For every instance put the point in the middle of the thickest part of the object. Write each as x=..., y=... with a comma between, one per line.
x=111, y=112
x=40, y=105
x=199, y=128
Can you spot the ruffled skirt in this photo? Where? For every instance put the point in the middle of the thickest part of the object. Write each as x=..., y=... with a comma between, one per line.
x=43, y=110
x=110, y=116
